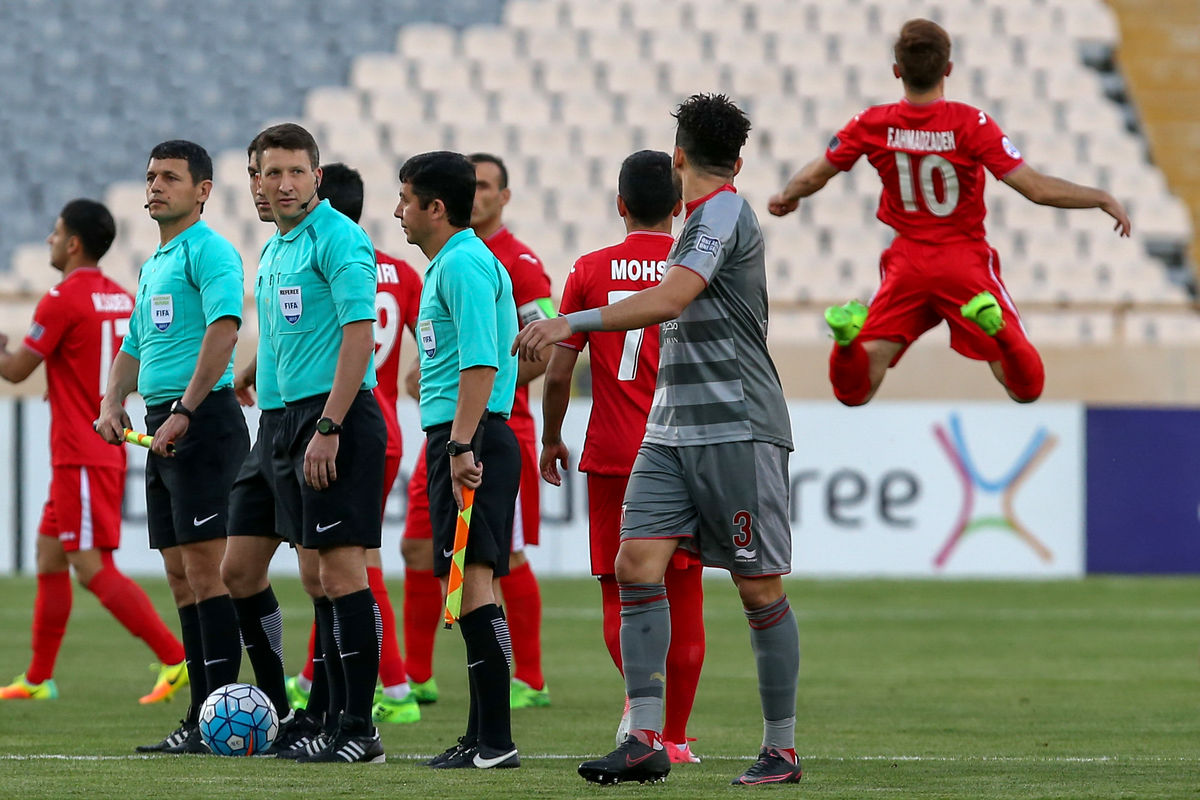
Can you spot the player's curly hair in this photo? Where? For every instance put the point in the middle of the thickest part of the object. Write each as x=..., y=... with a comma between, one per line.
x=711, y=130
x=922, y=53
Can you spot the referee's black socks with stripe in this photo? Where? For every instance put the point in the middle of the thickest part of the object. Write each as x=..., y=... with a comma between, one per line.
x=359, y=631
x=262, y=633
x=193, y=652
x=222, y=644
x=489, y=657
x=335, y=678
x=318, y=693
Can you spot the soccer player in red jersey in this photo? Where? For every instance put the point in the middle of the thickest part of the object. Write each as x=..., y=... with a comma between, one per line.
x=396, y=303
x=930, y=154
x=522, y=598
x=77, y=329
x=624, y=367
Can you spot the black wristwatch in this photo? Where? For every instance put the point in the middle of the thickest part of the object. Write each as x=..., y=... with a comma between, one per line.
x=179, y=408
x=327, y=427
x=454, y=448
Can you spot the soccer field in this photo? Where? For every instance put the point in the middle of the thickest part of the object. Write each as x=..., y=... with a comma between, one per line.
x=1077, y=689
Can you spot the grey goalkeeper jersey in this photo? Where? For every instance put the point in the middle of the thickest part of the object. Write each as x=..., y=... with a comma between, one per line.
x=716, y=380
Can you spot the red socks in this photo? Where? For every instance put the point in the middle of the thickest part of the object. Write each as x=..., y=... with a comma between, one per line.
x=850, y=373
x=422, y=613
x=391, y=661
x=307, y=672
x=51, y=609
x=130, y=606
x=685, y=593
x=523, y=610
x=1024, y=375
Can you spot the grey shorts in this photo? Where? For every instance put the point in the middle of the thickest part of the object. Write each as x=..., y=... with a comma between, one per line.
x=728, y=502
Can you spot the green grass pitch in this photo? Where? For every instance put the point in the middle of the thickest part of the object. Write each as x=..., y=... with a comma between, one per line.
x=963, y=689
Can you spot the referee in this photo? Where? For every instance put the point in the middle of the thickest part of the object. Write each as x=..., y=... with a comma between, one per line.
x=318, y=292
x=468, y=379
x=178, y=354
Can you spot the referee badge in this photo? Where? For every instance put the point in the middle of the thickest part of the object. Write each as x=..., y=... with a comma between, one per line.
x=162, y=310
x=428, y=340
x=291, y=304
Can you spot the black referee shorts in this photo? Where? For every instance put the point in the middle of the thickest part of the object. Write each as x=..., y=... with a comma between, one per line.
x=254, y=507
x=347, y=513
x=489, y=540
x=187, y=495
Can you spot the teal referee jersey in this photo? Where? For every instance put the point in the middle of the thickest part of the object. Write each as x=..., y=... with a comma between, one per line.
x=319, y=276
x=265, y=382
x=467, y=319
x=189, y=283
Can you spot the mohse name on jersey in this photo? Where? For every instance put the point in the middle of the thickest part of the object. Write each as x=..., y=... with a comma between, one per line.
x=631, y=269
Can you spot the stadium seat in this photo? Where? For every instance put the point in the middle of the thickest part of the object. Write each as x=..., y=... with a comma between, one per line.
x=501, y=75
x=569, y=76
x=658, y=16
x=716, y=18
x=419, y=41
x=586, y=15
x=523, y=106
x=387, y=72
x=462, y=105
x=532, y=14
x=488, y=44
x=437, y=73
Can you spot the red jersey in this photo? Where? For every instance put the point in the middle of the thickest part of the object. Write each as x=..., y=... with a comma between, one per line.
x=624, y=363
x=530, y=285
x=77, y=330
x=931, y=159
x=397, y=297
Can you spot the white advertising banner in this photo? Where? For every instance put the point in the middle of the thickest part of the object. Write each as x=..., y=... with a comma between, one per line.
x=890, y=489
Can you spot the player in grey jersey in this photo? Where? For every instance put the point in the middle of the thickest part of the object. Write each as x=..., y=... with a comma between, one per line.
x=711, y=474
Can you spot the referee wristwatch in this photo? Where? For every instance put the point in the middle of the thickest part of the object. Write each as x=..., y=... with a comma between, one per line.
x=454, y=448
x=179, y=408
x=327, y=427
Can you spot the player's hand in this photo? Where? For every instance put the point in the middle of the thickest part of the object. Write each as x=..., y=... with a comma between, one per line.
x=537, y=335
x=243, y=387
x=1115, y=210
x=112, y=423
x=464, y=471
x=553, y=454
x=320, y=467
x=779, y=206
x=175, y=427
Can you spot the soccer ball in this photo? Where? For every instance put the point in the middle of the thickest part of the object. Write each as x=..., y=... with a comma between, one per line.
x=238, y=720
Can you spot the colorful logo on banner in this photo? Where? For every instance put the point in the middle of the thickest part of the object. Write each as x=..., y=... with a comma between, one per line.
x=955, y=445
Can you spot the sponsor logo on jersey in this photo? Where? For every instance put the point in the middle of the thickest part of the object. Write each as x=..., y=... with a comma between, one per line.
x=1010, y=148
x=834, y=143
x=291, y=303
x=922, y=141
x=742, y=554
x=162, y=310
x=428, y=339
x=36, y=331
x=111, y=301
x=709, y=244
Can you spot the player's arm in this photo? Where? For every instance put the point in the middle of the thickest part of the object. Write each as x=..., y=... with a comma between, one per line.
x=216, y=348
x=811, y=178
x=650, y=306
x=244, y=382
x=354, y=356
x=474, y=389
x=412, y=380
x=542, y=308
x=122, y=381
x=16, y=366
x=556, y=396
x=1047, y=190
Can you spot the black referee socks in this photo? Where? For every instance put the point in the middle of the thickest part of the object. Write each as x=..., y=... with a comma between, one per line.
x=222, y=644
x=262, y=633
x=485, y=633
x=359, y=629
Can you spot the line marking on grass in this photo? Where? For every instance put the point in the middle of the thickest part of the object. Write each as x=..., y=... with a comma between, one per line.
x=710, y=757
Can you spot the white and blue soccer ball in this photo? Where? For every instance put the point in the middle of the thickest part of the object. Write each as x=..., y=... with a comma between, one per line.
x=238, y=720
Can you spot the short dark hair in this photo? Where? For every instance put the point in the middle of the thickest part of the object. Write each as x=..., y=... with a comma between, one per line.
x=446, y=176
x=252, y=148
x=343, y=188
x=711, y=130
x=288, y=136
x=488, y=158
x=198, y=160
x=647, y=185
x=92, y=223
x=922, y=52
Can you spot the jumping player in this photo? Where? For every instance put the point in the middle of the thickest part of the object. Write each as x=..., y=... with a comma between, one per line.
x=76, y=330
x=624, y=368
x=930, y=154
x=712, y=471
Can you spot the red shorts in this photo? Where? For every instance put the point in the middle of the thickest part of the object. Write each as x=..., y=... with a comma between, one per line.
x=606, y=496
x=84, y=508
x=526, y=521
x=923, y=284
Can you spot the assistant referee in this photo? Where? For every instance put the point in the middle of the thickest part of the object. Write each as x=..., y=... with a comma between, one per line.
x=468, y=379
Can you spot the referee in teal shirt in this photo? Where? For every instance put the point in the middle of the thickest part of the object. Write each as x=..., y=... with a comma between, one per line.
x=467, y=320
x=317, y=293
x=178, y=354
